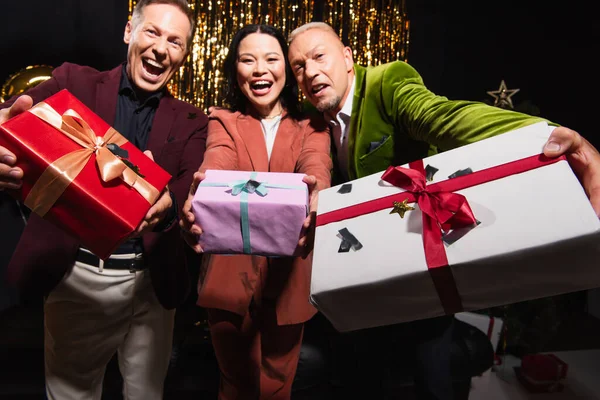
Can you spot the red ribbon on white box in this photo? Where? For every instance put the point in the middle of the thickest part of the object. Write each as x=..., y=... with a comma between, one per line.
x=442, y=209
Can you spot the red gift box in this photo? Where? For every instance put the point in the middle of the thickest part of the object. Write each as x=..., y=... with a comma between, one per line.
x=73, y=180
x=542, y=373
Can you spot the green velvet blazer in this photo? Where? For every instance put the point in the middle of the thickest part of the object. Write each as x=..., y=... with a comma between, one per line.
x=396, y=119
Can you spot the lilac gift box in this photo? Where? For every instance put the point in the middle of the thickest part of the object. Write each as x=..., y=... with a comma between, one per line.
x=245, y=212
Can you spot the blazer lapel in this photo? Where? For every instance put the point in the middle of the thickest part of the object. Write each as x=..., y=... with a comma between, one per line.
x=252, y=135
x=107, y=90
x=164, y=120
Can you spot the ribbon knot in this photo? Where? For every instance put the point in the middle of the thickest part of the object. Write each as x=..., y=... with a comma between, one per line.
x=99, y=143
x=442, y=210
x=249, y=186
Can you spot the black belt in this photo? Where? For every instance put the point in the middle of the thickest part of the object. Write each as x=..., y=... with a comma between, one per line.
x=131, y=264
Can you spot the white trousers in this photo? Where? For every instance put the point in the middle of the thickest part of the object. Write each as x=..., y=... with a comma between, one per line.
x=88, y=317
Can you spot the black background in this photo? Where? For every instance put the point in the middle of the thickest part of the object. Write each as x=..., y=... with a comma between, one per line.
x=547, y=49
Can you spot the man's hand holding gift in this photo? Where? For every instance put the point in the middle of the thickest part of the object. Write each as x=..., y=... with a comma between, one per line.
x=583, y=158
x=11, y=176
x=190, y=228
x=159, y=210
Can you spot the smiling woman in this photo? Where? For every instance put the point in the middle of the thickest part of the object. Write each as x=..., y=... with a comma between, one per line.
x=261, y=73
x=257, y=305
x=258, y=75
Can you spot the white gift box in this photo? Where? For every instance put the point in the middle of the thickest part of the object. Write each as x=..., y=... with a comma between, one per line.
x=491, y=326
x=538, y=236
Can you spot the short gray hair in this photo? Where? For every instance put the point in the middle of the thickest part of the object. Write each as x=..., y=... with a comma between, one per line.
x=308, y=26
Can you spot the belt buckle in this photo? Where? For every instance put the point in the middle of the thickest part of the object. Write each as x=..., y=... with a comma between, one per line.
x=133, y=262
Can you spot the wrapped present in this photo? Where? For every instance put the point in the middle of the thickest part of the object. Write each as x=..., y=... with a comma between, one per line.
x=491, y=223
x=541, y=373
x=81, y=174
x=245, y=212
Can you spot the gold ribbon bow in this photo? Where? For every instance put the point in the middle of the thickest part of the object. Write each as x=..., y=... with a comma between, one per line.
x=59, y=174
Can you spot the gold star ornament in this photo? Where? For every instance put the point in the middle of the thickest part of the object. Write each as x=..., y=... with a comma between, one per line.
x=502, y=96
x=401, y=208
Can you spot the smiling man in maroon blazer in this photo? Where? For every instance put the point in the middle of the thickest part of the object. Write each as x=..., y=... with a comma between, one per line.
x=124, y=304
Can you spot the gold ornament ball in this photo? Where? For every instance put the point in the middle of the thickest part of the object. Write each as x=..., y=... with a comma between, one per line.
x=24, y=79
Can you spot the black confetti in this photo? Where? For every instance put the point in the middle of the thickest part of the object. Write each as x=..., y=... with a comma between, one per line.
x=429, y=172
x=345, y=188
x=461, y=172
x=349, y=241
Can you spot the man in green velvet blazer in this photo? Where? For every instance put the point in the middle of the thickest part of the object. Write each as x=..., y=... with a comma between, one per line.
x=395, y=119
x=384, y=115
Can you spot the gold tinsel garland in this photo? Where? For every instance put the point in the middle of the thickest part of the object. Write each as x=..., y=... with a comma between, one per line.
x=376, y=30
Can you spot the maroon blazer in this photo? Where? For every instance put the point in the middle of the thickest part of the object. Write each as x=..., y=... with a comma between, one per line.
x=177, y=141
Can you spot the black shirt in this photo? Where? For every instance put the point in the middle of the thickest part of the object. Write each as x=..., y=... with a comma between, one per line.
x=135, y=114
x=133, y=120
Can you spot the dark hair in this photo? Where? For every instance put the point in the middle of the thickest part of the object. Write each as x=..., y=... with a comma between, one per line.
x=234, y=97
x=136, y=16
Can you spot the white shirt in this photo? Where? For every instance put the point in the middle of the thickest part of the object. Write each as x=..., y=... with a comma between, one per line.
x=340, y=129
x=270, y=127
